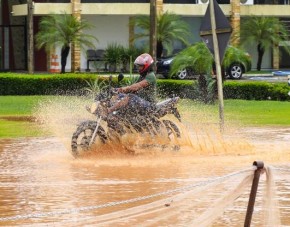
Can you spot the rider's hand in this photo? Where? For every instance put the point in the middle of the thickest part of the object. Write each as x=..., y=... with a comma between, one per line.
x=116, y=91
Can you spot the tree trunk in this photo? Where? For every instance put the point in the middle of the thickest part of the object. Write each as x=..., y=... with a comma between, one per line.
x=159, y=49
x=30, y=57
x=64, y=54
x=202, y=88
x=260, y=56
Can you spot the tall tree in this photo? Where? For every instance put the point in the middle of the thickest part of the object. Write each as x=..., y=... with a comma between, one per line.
x=265, y=32
x=63, y=30
x=170, y=27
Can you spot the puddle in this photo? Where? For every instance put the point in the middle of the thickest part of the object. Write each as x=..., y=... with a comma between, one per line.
x=39, y=175
x=41, y=184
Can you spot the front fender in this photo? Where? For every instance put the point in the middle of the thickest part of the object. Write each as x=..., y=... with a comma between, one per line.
x=176, y=113
x=87, y=122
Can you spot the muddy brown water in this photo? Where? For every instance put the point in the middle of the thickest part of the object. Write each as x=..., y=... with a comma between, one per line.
x=41, y=184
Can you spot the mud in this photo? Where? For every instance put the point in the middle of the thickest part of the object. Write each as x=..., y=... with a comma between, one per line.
x=19, y=118
x=41, y=184
x=39, y=176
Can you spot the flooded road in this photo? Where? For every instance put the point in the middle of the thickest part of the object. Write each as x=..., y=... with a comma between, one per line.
x=41, y=184
x=206, y=183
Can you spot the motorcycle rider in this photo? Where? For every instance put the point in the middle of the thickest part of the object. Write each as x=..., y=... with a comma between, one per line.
x=141, y=95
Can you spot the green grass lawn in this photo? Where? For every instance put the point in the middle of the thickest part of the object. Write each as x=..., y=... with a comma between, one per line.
x=18, y=105
x=12, y=129
x=244, y=112
x=14, y=111
x=248, y=113
x=259, y=112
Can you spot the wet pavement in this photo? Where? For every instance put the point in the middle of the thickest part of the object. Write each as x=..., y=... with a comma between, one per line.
x=206, y=183
x=41, y=184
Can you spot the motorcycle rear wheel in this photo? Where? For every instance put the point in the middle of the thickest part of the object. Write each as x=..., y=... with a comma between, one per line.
x=82, y=137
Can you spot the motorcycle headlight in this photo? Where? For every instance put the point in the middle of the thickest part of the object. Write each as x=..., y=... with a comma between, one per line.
x=94, y=107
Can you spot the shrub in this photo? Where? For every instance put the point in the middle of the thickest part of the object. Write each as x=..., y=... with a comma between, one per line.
x=256, y=90
x=74, y=84
x=50, y=84
x=181, y=88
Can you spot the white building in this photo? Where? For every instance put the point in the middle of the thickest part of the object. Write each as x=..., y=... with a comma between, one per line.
x=111, y=19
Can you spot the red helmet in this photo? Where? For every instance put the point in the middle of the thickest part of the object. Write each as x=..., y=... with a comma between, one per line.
x=144, y=60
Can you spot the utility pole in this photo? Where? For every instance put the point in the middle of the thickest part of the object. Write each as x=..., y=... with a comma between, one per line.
x=217, y=65
x=30, y=44
x=216, y=30
x=153, y=30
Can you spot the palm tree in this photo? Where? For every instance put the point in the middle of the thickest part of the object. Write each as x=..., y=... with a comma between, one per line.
x=170, y=27
x=63, y=30
x=199, y=59
x=265, y=31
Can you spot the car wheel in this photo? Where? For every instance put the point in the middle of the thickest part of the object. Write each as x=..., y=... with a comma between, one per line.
x=182, y=74
x=235, y=71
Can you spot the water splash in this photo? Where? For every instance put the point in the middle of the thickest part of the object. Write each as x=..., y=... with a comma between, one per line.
x=60, y=115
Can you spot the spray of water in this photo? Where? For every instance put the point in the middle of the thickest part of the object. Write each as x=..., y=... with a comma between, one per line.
x=271, y=205
x=205, y=151
x=60, y=115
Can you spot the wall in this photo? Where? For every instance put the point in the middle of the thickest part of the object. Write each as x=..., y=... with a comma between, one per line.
x=266, y=61
x=108, y=29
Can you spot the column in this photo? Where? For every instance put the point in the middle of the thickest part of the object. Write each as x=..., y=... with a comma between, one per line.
x=159, y=7
x=75, y=49
x=235, y=22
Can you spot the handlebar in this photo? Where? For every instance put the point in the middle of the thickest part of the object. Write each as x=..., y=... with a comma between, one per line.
x=114, y=91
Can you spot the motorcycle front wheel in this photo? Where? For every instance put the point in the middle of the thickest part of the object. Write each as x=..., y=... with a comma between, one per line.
x=173, y=133
x=85, y=136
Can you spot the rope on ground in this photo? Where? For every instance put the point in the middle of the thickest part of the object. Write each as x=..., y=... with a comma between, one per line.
x=218, y=207
x=110, y=204
x=160, y=208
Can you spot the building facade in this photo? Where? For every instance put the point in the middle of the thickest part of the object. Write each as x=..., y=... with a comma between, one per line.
x=111, y=20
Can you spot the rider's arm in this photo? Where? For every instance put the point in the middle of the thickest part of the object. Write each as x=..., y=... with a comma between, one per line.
x=134, y=87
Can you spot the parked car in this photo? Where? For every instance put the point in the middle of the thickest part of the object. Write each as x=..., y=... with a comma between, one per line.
x=163, y=68
x=235, y=69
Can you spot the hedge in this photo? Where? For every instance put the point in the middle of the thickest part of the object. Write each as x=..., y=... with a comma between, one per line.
x=23, y=84
x=256, y=90
x=52, y=84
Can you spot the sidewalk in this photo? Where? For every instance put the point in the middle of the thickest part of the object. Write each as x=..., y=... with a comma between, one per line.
x=275, y=75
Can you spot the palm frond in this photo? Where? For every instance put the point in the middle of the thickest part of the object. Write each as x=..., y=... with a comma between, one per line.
x=263, y=30
x=170, y=28
x=95, y=86
x=197, y=56
x=63, y=30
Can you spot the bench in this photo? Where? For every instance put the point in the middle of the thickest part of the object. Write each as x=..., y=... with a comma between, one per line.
x=95, y=55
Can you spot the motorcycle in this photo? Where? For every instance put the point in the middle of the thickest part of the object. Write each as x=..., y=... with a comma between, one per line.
x=125, y=121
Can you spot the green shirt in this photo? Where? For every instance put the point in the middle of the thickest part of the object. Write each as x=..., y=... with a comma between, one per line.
x=149, y=93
